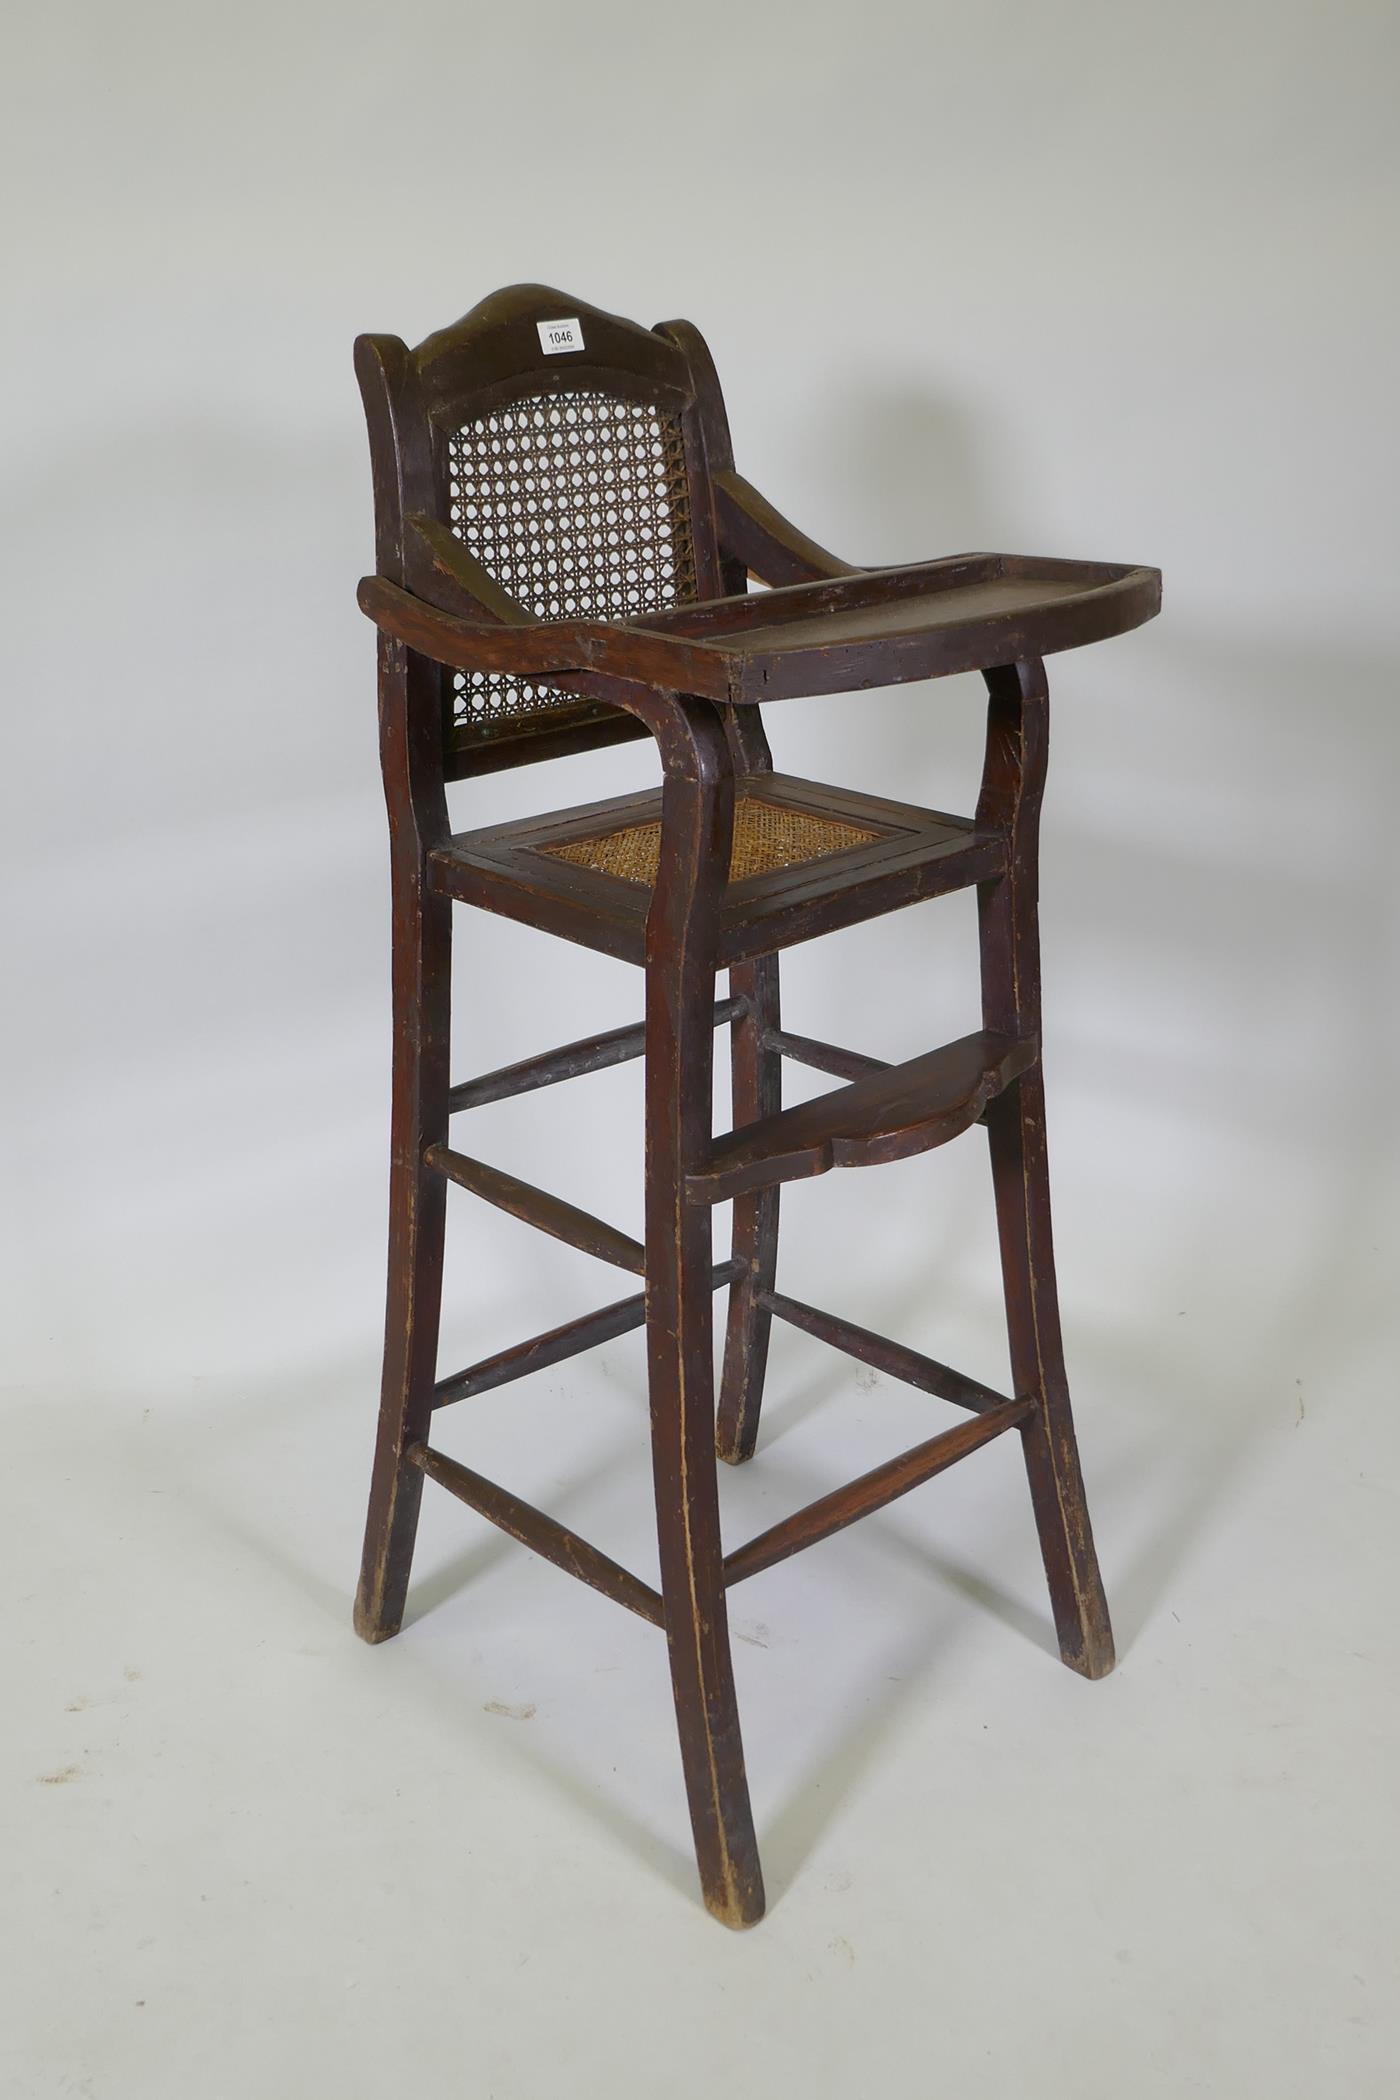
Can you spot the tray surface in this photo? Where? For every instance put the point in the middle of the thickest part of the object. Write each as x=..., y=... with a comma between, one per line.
x=901, y=615
x=870, y=627
x=881, y=626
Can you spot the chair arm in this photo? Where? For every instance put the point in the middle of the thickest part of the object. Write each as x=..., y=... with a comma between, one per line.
x=771, y=547
x=544, y=648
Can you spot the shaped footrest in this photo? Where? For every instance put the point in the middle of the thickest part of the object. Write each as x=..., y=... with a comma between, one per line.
x=889, y=1114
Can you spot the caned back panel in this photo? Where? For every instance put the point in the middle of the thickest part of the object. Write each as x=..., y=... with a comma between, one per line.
x=578, y=504
x=579, y=484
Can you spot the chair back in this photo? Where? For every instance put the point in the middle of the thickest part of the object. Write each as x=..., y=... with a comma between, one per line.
x=541, y=457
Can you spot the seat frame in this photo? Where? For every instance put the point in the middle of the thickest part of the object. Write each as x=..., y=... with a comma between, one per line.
x=437, y=609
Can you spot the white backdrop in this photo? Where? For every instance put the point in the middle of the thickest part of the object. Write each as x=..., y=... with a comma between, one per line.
x=1105, y=281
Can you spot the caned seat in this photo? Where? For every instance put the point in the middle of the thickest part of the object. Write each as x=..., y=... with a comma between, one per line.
x=805, y=858
x=767, y=835
x=564, y=553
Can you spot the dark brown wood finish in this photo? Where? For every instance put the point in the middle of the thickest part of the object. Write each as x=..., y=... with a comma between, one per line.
x=823, y=1057
x=534, y=1529
x=756, y=1090
x=763, y=542
x=892, y=1358
x=682, y=929
x=562, y=1221
x=837, y=636
x=479, y=672
x=560, y=1343
x=412, y=711
x=845, y=1505
x=1013, y=783
x=596, y=1053
x=917, y=853
x=888, y=1115
x=410, y=745
x=755, y=1067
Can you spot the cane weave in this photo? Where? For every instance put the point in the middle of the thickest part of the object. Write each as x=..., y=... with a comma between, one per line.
x=766, y=836
x=578, y=505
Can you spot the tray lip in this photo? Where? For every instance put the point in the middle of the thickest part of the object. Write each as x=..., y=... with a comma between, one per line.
x=1096, y=600
x=1115, y=598
x=974, y=645
x=698, y=619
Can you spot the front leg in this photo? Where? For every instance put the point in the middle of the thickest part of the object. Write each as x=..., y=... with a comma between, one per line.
x=1012, y=785
x=697, y=819
x=410, y=715
x=758, y=1092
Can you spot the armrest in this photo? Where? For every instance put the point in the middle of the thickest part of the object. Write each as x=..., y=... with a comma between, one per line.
x=765, y=541
x=544, y=648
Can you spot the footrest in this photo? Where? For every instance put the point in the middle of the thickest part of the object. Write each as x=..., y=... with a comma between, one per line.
x=889, y=1114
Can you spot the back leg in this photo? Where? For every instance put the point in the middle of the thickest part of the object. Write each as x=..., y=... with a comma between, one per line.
x=1008, y=911
x=417, y=1226
x=757, y=1087
x=1020, y=1173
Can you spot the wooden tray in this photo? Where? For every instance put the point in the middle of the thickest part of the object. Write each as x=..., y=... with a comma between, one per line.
x=882, y=626
x=873, y=627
